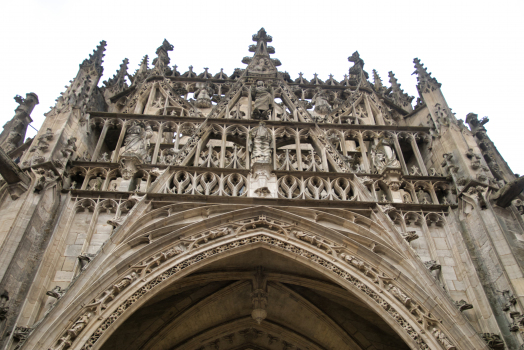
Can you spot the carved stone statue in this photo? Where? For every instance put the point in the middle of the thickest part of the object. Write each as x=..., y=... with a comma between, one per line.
x=137, y=141
x=125, y=282
x=442, y=339
x=203, y=96
x=320, y=101
x=262, y=65
x=56, y=292
x=493, y=340
x=162, y=60
x=79, y=325
x=260, y=144
x=263, y=97
x=384, y=156
x=397, y=293
x=95, y=184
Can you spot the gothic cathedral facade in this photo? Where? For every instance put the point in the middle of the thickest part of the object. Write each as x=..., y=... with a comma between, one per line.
x=253, y=211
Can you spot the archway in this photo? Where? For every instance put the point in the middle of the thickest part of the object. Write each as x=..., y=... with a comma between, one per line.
x=212, y=309
x=324, y=269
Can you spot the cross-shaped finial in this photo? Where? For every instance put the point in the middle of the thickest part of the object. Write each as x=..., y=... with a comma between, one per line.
x=175, y=66
x=300, y=74
x=345, y=76
x=315, y=75
x=191, y=68
x=331, y=76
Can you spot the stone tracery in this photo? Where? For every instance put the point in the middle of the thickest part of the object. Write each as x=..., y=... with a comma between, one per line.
x=342, y=155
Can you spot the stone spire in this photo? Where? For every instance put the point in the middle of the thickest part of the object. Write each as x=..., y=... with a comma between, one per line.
x=141, y=72
x=205, y=74
x=93, y=64
x=84, y=86
x=300, y=79
x=377, y=82
x=398, y=95
x=14, y=131
x=262, y=38
x=426, y=82
x=221, y=75
x=261, y=64
x=118, y=82
x=189, y=73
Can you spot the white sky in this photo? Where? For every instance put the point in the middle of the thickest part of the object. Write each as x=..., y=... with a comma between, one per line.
x=473, y=48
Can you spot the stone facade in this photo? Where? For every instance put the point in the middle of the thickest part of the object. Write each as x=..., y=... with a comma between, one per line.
x=163, y=210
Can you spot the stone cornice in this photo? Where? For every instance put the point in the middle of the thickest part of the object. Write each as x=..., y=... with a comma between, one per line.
x=167, y=198
x=253, y=122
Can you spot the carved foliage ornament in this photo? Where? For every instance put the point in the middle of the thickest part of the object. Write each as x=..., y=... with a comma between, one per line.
x=104, y=301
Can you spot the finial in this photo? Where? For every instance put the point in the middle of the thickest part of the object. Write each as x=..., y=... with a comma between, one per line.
x=118, y=80
x=262, y=36
x=426, y=83
x=399, y=97
x=221, y=75
x=96, y=58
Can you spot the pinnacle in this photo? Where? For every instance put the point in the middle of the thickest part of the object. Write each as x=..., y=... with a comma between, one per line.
x=98, y=53
x=261, y=35
x=425, y=80
x=376, y=79
x=119, y=77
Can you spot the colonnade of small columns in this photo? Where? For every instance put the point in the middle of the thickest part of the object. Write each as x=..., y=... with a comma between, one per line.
x=300, y=136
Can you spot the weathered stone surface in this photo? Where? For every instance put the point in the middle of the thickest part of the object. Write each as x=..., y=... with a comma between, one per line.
x=253, y=210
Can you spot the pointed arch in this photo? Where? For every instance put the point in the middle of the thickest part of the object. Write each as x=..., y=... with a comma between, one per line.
x=369, y=276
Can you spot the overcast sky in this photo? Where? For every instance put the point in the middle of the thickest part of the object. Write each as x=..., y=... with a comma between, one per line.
x=474, y=48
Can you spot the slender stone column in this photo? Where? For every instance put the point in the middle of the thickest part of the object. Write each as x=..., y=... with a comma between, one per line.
x=86, y=181
x=274, y=149
x=158, y=142
x=247, y=153
x=177, y=136
x=116, y=153
x=223, y=148
x=343, y=144
x=418, y=156
x=299, y=151
x=405, y=170
x=249, y=104
x=433, y=194
x=363, y=151
x=100, y=141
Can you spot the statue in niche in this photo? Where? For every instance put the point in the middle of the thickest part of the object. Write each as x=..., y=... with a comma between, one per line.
x=262, y=65
x=203, y=96
x=442, y=339
x=260, y=144
x=137, y=140
x=400, y=295
x=95, y=184
x=423, y=197
x=125, y=282
x=263, y=97
x=320, y=101
x=383, y=156
x=79, y=325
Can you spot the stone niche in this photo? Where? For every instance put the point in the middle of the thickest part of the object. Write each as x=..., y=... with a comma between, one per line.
x=262, y=182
